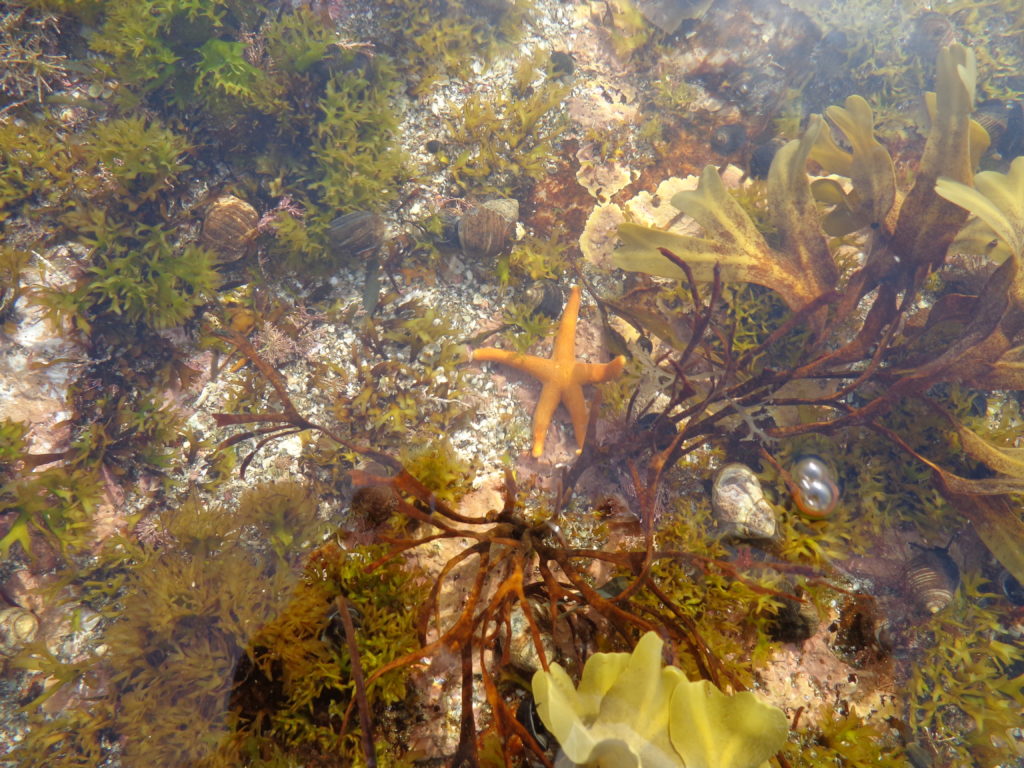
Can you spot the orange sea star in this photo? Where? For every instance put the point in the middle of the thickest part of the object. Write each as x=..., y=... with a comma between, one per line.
x=562, y=375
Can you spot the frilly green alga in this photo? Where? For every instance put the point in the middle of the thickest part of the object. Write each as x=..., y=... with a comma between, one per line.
x=631, y=712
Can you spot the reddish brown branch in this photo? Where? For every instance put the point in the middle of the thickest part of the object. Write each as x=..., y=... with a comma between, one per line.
x=365, y=723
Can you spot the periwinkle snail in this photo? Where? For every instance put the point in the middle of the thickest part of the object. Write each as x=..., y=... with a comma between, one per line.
x=933, y=578
x=739, y=504
x=817, y=492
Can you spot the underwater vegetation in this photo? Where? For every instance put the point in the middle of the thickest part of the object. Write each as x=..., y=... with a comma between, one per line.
x=629, y=710
x=808, y=334
x=960, y=344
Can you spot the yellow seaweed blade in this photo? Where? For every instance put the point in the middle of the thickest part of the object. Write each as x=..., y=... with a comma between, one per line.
x=712, y=730
x=871, y=169
x=804, y=263
x=997, y=199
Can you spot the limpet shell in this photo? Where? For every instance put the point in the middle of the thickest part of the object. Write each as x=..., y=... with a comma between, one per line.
x=932, y=578
x=229, y=227
x=740, y=507
x=18, y=628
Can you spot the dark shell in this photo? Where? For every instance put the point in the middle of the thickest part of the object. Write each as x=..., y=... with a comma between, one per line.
x=659, y=428
x=526, y=714
x=1004, y=122
x=356, y=234
x=486, y=229
x=932, y=578
x=1011, y=588
x=728, y=139
x=795, y=622
x=229, y=227
x=856, y=632
x=546, y=298
x=561, y=64
x=762, y=156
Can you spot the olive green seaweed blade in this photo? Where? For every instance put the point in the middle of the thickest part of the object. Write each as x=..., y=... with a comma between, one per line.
x=712, y=730
x=997, y=199
x=639, y=253
x=927, y=223
x=730, y=237
x=869, y=166
x=732, y=241
x=802, y=269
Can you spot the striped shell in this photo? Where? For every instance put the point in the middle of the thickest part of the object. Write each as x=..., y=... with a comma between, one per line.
x=817, y=491
x=229, y=227
x=356, y=234
x=932, y=578
x=739, y=504
x=485, y=230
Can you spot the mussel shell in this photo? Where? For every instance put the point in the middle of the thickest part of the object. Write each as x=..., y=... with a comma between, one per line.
x=659, y=428
x=356, y=234
x=932, y=578
x=740, y=507
x=795, y=621
x=229, y=227
x=18, y=628
x=486, y=229
x=1004, y=123
x=817, y=492
x=1011, y=143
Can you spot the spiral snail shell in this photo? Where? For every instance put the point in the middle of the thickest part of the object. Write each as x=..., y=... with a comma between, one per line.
x=932, y=577
x=18, y=628
x=817, y=492
x=486, y=229
x=229, y=227
x=739, y=504
x=357, y=233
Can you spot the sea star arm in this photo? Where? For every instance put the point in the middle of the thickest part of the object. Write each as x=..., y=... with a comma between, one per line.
x=550, y=395
x=565, y=338
x=575, y=403
x=594, y=373
x=538, y=367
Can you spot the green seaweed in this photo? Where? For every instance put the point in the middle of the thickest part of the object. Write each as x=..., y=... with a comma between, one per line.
x=503, y=141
